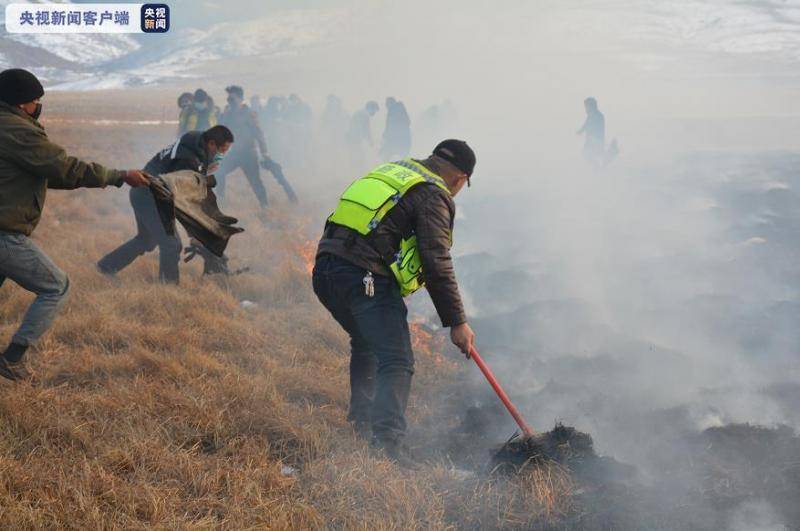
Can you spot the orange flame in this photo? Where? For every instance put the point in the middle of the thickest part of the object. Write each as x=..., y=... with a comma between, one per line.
x=307, y=252
x=425, y=342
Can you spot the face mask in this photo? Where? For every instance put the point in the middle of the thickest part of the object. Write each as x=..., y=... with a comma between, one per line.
x=37, y=111
x=218, y=158
x=199, y=105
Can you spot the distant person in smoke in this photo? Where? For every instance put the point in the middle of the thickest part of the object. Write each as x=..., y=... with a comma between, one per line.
x=594, y=129
x=367, y=262
x=397, y=135
x=185, y=102
x=243, y=122
x=199, y=151
x=274, y=125
x=299, y=113
x=298, y=122
x=29, y=165
x=256, y=105
x=359, y=132
x=202, y=115
x=245, y=126
x=437, y=121
x=334, y=120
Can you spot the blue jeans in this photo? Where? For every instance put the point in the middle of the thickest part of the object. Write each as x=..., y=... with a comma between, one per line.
x=22, y=261
x=381, y=358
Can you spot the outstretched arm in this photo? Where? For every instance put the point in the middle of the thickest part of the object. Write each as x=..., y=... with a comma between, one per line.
x=433, y=228
x=39, y=156
x=433, y=222
x=259, y=134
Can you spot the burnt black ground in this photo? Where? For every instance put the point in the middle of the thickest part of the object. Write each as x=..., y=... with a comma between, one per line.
x=708, y=338
x=715, y=479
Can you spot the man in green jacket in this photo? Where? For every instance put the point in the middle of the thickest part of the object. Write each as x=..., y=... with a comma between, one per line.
x=29, y=165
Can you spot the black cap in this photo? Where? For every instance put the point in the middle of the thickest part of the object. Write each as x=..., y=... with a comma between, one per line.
x=235, y=89
x=200, y=95
x=19, y=86
x=457, y=153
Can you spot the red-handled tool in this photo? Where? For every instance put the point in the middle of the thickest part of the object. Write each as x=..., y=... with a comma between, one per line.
x=526, y=430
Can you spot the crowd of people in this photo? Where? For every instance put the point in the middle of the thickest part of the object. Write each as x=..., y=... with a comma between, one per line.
x=389, y=235
x=287, y=124
x=390, y=225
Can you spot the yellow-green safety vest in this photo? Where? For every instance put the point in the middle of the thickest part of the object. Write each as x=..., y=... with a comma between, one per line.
x=367, y=201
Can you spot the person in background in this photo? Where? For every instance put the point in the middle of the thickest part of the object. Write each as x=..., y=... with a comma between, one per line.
x=436, y=121
x=334, y=120
x=256, y=105
x=242, y=121
x=397, y=135
x=259, y=106
x=197, y=151
x=359, y=132
x=594, y=129
x=30, y=164
x=298, y=118
x=202, y=115
x=367, y=262
x=275, y=127
x=299, y=112
x=185, y=101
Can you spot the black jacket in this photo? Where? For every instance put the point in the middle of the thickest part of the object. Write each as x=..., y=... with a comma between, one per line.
x=187, y=153
x=426, y=211
x=186, y=196
x=244, y=124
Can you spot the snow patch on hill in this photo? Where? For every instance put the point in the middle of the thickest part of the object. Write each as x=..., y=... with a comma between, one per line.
x=83, y=49
x=95, y=62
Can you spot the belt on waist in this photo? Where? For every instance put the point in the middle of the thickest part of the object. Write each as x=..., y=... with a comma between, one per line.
x=337, y=232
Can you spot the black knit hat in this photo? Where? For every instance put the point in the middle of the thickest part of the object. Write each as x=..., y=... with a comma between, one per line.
x=19, y=86
x=457, y=153
x=236, y=90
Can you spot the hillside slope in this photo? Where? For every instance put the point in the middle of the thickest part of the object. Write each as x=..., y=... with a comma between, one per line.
x=183, y=407
x=175, y=407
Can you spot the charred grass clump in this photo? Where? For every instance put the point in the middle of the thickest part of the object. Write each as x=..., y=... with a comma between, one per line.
x=562, y=444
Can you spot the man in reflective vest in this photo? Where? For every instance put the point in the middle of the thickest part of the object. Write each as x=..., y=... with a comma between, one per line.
x=390, y=235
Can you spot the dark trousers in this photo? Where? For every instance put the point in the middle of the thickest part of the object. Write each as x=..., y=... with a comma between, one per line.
x=150, y=234
x=248, y=161
x=381, y=358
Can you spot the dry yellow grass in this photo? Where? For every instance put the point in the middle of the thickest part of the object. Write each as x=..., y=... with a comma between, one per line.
x=173, y=407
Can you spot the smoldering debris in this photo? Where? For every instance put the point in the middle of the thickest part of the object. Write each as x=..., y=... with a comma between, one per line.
x=563, y=444
x=690, y=480
x=570, y=448
x=473, y=444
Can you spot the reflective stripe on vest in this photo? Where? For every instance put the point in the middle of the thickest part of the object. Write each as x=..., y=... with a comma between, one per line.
x=367, y=201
